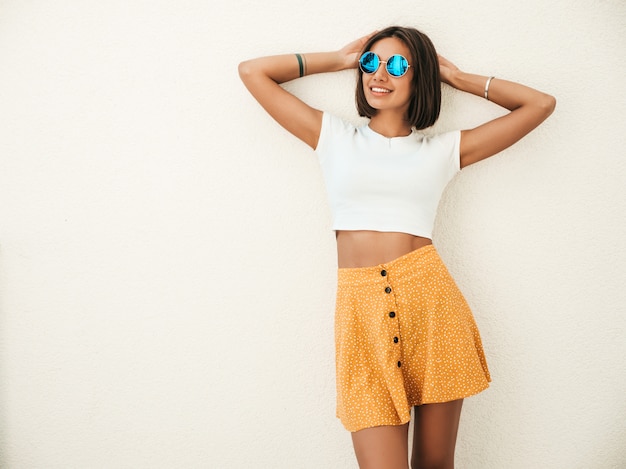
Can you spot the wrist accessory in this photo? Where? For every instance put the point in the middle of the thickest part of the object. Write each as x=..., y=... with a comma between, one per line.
x=300, y=65
x=396, y=65
x=487, y=87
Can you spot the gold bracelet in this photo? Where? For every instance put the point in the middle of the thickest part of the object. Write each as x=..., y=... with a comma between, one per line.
x=487, y=87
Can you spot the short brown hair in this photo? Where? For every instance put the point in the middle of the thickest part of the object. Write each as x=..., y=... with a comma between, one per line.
x=425, y=102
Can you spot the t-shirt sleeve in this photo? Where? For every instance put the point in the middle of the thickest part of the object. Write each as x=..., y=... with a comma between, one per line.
x=332, y=128
x=451, y=149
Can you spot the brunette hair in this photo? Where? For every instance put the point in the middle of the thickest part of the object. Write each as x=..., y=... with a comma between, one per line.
x=425, y=102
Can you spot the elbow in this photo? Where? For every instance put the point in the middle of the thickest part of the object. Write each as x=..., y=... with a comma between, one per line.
x=249, y=71
x=548, y=104
x=244, y=69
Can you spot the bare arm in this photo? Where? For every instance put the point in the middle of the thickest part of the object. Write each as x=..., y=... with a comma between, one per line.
x=528, y=107
x=262, y=77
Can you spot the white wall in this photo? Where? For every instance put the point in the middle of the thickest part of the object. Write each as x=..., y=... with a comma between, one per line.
x=166, y=264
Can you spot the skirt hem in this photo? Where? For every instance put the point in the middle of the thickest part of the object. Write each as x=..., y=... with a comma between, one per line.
x=394, y=423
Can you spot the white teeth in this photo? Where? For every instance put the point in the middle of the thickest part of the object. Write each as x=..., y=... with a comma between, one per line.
x=380, y=90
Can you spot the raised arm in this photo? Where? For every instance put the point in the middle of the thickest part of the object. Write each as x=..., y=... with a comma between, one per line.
x=262, y=77
x=528, y=107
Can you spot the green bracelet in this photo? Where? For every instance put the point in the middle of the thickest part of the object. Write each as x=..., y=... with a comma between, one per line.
x=300, y=65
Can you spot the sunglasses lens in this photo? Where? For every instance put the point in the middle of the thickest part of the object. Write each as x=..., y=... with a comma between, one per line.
x=369, y=62
x=397, y=65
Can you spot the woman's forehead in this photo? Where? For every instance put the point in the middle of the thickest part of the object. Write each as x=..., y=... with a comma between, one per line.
x=388, y=46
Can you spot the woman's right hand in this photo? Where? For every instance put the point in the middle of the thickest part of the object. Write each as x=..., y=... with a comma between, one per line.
x=350, y=52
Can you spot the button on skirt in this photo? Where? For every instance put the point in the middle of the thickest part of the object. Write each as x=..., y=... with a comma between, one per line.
x=404, y=336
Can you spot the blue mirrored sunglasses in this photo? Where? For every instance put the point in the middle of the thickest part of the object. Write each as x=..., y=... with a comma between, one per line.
x=396, y=65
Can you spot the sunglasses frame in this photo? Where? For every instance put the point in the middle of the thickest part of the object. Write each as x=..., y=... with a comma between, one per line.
x=386, y=62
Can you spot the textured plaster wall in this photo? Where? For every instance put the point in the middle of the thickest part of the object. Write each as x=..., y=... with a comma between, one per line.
x=166, y=264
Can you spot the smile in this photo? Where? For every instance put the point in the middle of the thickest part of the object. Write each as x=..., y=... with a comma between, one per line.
x=380, y=90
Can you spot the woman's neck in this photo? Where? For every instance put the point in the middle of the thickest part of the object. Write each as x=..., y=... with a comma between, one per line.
x=390, y=125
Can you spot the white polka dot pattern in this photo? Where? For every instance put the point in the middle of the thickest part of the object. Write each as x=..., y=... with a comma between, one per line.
x=404, y=336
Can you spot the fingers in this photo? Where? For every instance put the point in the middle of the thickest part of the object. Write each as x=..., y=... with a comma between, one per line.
x=363, y=40
x=351, y=51
x=367, y=37
x=359, y=43
x=445, y=63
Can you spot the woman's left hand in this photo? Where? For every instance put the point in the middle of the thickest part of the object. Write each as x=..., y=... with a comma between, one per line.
x=446, y=69
x=529, y=108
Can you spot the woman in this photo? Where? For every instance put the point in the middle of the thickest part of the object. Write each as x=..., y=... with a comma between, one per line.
x=405, y=337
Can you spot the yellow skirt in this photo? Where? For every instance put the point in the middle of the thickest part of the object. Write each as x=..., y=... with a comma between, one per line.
x=404, y=336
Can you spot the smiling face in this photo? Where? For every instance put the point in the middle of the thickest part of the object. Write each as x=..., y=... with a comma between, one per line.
x=382, y=91
x=421, y=86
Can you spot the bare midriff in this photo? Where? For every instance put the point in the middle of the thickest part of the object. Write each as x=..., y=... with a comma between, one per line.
x=371, y=248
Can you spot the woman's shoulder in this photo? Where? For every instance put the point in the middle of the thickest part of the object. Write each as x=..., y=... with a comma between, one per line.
x=337, y=123
x=334, y=129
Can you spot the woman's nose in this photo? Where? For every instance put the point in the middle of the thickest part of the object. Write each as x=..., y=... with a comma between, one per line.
x=381, y=72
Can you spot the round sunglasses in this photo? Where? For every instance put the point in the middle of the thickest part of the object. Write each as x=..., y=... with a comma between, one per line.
x=396, y=65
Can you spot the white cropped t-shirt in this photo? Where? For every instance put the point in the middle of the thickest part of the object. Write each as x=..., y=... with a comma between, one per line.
x=385, y=184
